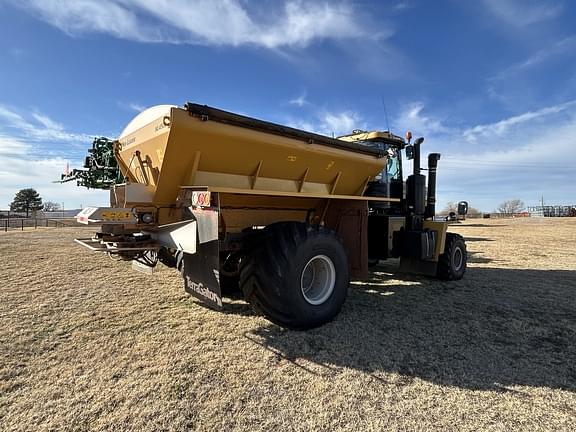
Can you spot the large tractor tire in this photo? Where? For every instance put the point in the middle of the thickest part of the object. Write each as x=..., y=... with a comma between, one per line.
x=296, y=275
x=452, y=263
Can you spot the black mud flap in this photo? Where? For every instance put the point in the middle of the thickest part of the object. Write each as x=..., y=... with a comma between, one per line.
x=200, y=247
x=201, y=274
x=201, y=270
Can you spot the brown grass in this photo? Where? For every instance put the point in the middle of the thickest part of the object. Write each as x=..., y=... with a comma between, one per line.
x=85, y=343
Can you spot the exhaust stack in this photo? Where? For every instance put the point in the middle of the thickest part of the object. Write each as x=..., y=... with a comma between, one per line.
x=415, y=185
x=433, y=159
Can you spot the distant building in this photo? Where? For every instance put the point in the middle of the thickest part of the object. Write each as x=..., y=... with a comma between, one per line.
x=553, y=211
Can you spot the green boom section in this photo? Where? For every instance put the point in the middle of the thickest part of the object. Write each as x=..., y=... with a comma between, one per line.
x=101, y=168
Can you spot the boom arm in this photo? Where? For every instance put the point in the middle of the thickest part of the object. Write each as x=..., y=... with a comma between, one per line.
x=102, y=170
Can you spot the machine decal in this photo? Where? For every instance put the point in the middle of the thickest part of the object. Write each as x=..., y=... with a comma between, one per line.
x=116, y=215
x=201, y=273
x=203, y=292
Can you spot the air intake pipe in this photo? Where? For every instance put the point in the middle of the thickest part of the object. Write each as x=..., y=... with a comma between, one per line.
x=433, y=159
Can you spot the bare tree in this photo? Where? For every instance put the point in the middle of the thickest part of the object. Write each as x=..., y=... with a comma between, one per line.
x=51, y=206
x=510, y=207
x=451, y=206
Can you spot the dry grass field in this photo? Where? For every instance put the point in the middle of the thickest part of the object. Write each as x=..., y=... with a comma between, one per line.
x=88, y=344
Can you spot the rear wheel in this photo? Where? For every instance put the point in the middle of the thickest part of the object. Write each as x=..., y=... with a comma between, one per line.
x=296, y=275
x=452, y=263
x=167, y=257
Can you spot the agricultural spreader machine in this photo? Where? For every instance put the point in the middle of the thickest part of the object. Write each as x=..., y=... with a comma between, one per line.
x=285, y=216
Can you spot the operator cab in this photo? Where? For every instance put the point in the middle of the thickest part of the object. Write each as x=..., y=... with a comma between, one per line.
x=389, y=183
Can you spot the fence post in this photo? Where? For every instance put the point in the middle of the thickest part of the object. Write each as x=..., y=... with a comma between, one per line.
x=6, y=225
x=35, y=223
x=22, y=220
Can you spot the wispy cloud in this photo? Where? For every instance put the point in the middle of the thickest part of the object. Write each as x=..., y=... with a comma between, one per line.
x=501, y=128
x=539, y=165
x=331, y=123
x=39, y=127
x=412, y=117
x=29, y=144
x=555, y=49
x=300, y=100
x=210, y=22
x=520, y=13
x=22, y=168
x=132, y=106
x=521, y=156
x=10, y=146
x=136, y=107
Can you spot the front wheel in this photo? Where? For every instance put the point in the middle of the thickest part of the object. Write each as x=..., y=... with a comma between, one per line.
x=452, y=263
x=297, y=275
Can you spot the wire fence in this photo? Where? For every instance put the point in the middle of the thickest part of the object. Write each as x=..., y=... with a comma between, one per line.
x=15, y=221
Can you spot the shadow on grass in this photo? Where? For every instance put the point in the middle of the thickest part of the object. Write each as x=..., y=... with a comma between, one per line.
x=480, y=225
x=476, y=257
x=494, y=329
x=477, y=239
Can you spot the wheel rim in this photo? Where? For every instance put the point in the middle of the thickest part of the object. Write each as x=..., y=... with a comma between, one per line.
x=458, y=259
x=318, y=279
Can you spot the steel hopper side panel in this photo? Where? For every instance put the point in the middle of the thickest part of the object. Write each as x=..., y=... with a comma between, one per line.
x=196, y=146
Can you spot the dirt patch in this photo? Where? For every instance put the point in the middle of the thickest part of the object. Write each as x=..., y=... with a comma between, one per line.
x=88, y=344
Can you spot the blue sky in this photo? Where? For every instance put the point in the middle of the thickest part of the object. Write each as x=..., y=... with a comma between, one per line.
x=491, y=84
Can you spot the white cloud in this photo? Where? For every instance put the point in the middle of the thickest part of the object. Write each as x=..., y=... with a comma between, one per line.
x=521, y=13
x=501, y=128
x=47, y=122
x=412, y=118
x=136, y=107
x=539, y=166
x=11, y=146
x=41, y=130
x=132, y=106
x=210, y=22
x=27, y=162
x=523, y=156
x=300, y=100
x=331, y=123
x=22, y=168
x=558, y=48
x=342, y=123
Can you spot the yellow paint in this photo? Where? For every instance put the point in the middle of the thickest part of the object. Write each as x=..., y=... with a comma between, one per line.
x=230, y=156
